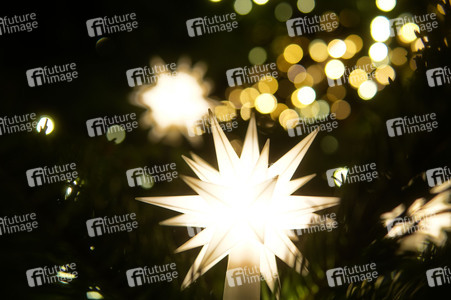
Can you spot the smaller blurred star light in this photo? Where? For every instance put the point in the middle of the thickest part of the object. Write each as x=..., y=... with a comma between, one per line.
x=175, y=102
x=423, y=222
x=45, y=125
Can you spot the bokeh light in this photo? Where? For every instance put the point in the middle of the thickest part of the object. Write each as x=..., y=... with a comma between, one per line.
x=357, y=77
x=367, y=90
x=242, y=7
x=383, y=73
x=341, y=109
x=398, y=56
x=293, y=53
x=45, y=124
x=305, y=95
x=306, y=6
x=407, y=32
x=257, y=56
x=380, y=29
x=268, y=85
x=336, y=48
x=318, y=50
x=386, y=5
x=334, y=69
x=329, y=144
x=286, y=118
x=260, y=2
x=283, y=12
x=265, y=103
x=378, y=51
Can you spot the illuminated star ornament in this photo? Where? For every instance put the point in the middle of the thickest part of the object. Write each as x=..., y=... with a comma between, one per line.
x=247, y=211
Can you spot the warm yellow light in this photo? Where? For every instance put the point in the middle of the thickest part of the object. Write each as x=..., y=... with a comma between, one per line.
x=265, y=103
x=248, y=96
x=268, y=85
x=336, y=48
x=386, y=5
x=398, y=56
x=340, y=175
x=260, y=2
x=318, y=50
x=45, y=123
x=306, y=6
x=383, y=73
x=296, y=73
x=306, y=95
x=357, y=77
x=367, y=90
x=341, y=109
x=417, y=45
x=380, y=29
x=378, y=51
x=257, y=56
x=286, y=118
x=407, y=33
x=334, y=69
x=293, y=53
x=242, y=7
x=357, y=40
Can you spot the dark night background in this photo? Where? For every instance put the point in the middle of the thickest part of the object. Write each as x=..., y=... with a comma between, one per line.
x=101, y=90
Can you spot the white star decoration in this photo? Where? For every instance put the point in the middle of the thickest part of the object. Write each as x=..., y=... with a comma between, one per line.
x=246, y=208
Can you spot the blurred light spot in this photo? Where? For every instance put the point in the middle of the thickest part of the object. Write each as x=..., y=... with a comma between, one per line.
x=296, y=73
x=46, y=124
x=386, y=5
x=341, y=109
x=279, y=109
x=365, y=64
x=92, y=248
x=265, y=103
x=317, y=73
x=351, y=49
x=440, y=8
x=293, y=53
x=268, y=85
x=115, y=133
x=318, y=50
x=283, y=12
x=248, y=96
x=306, y=6
x=357, y=40
x=367, y=90
x=260, y=2
x=286, y=116
x=340, y=175
x=407, y=33
x=245, y=112
x=95, y=294
x=335, y=93
x=68, y=193
x=257, y=56
x=225, y=112
x=357, y=77
x=378, y=51
x=329, y=144
x=334, y=69
x=398, y=56
x=314, y=109
x=308, y=81
x=380, y=29
x=417, y=45
x=383, y=73
x=336, y=48
x=242, y=7
x=413, y=63
x=234, y=97
x=282, y=64
x=305, y=95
